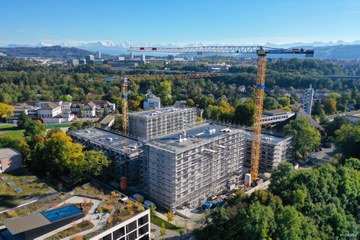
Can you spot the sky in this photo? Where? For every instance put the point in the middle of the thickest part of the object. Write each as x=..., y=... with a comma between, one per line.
x=179, y=21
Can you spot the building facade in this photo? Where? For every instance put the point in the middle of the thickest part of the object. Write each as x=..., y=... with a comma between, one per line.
x=123, y=152
x=135, y=228
x=186, y=168
x=152, y=102
x=308, y=99
x=273, y=151
x=156, y=123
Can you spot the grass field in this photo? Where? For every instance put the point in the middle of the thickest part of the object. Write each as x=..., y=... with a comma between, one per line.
x=29, y=184
x=158, y=222
x=11, y=130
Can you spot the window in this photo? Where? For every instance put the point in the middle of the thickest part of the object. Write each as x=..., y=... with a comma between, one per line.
x=143, y=220
x=131, y=236
x=144, y=229
x=131, y=226
x=119, y=233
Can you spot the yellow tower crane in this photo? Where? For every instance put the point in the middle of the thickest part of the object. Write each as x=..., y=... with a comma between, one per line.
x=261, y=52
x=124, y=107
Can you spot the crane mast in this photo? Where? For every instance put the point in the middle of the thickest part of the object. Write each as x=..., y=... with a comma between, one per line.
x=124, y=101
x=261, y=52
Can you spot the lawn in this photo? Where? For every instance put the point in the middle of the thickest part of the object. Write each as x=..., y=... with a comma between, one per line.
x=80, y=227
x=29, y=186
x=158, y=222
x=11, y=130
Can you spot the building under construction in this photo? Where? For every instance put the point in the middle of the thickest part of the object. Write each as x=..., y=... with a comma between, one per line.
x=273, y=151
x=187, y=167
x=124, y=152
x=156, y=123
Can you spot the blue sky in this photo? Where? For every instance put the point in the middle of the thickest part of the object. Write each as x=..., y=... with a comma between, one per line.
x=179, y=21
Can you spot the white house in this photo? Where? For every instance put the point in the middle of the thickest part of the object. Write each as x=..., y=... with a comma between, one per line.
x=49, y=109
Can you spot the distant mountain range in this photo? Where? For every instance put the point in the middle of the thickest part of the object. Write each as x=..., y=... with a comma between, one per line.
x=330, y=50
x=56, y=52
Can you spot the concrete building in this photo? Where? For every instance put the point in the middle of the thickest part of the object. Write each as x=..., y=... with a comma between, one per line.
x=125, y=160
x=187, y=167
x=353, y=116
x=89, y=59
x=9, y=160
x=48, y=109
x=29, y=110
x=275, y=116
x=152, y=102
x=273, y=150
x=33, y=226
x=135, y=228
x=156, y=123
x=308, y=99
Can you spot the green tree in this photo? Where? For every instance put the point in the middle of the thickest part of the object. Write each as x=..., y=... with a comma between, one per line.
x=94, y=164
x=190, y=102
x=33, y=129
x=163, y=229
x=18, y=144
x=270, y=103
x=258, y=222
x=305, y=138
x=284, y=101
x=336, y=124
x=244, y=114
x=330, y=106
x=24, y=120
x=348, y=139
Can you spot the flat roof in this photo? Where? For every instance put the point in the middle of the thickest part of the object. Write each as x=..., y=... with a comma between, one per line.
x=267, y=137
x=61, y=213
x=156, y=112
x=194, y=136
x=276, y=112
x=108, y=139
x=26, y=223
x=8, y=152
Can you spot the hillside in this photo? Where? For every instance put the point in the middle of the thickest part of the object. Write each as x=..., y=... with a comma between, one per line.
x=47, y=52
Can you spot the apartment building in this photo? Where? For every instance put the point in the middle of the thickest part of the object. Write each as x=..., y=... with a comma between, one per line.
x=123, y=151
x=273, y=151
x=308, y=100
x=187, y=167
x=156, y=123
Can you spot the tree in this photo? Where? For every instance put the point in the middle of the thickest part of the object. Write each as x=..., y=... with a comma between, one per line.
x=18, y=144
x=348, y=139
x=305, y=138
x=190, y=102
x=352, y=163
x=280, y=177
x=330, y=106
x=152, y=210
x=63, y=156
x=170, y=216
x=163, y=229
x=106, y=111
x=6, y=110
x=336, y=124
x=270, y=103
x=284, y=101
x=24, y=120
x=244, y=114
x=94, y=164
x=258, y=222
x=33, y=129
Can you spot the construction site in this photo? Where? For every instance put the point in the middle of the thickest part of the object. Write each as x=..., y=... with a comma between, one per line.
x=176, y=162
x=186, y=167
x=152, y=124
